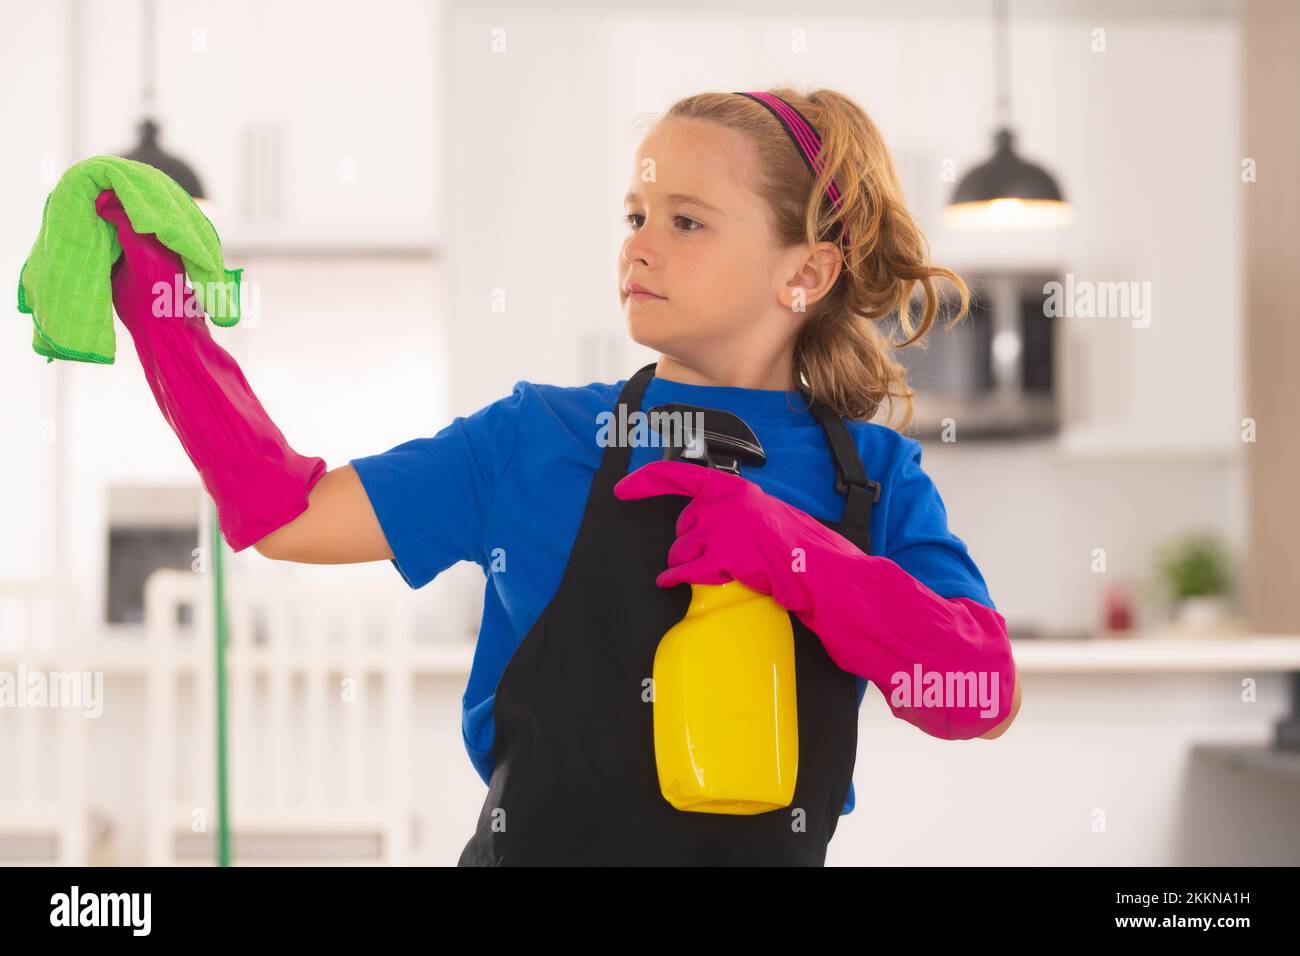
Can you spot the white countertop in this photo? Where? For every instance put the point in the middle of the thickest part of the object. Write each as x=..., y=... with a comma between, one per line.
x=1160, y=651
x=1152, y=651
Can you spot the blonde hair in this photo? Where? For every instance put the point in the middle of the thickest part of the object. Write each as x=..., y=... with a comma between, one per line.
x=841, y=358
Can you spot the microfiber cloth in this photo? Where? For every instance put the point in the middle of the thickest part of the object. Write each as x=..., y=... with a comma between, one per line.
x=65, y=284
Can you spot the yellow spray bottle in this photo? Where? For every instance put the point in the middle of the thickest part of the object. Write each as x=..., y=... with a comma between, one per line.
x=726, y=726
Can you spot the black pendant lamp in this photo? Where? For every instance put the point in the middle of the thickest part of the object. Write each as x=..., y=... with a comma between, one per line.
x=1006, y=192
x=148, y=150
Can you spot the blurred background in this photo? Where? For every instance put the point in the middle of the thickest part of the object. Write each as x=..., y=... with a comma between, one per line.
x=1112, y=430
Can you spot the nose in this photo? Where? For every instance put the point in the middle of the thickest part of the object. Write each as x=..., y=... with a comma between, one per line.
x=637, y=248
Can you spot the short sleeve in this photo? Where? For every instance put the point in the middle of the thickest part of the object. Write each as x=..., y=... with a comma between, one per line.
x=919, y=540
x=432, y=496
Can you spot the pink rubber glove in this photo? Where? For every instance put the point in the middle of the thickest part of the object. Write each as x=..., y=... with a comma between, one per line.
x=874, y=619
x=257, y=481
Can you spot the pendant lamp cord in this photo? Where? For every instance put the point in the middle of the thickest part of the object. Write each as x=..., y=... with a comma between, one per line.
x=1000, y=65
x=147, y=48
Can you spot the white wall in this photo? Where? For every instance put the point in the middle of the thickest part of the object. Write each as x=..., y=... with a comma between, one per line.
x=33, y=55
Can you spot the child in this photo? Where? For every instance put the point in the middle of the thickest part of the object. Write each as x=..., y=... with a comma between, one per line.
x=767, y=233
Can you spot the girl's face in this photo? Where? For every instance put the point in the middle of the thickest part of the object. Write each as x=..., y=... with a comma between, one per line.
x=702, y=241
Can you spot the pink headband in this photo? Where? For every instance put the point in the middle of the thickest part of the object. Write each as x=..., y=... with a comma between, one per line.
x=804, y=137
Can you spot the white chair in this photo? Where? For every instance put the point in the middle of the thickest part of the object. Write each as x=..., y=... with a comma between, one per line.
x=42, y=744
x=290, y=642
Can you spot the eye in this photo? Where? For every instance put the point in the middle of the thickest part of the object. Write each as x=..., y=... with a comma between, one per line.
x=631, y=218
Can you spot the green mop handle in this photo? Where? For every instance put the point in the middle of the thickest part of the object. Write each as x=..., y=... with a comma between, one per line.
x=219, y=609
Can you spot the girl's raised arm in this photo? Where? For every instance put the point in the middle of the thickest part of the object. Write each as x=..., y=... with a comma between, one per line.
x=338, y=527
x=286, y=505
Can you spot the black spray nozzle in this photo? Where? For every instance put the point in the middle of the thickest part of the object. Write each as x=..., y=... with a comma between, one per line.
x=706, y=436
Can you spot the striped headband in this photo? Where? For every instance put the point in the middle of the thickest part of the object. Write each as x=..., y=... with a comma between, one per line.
x=804, y=137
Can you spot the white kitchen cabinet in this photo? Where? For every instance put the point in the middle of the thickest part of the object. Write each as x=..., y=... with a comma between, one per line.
x=310, y=124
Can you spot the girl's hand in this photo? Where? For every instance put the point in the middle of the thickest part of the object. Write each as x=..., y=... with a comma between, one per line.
x=147, y=276
x=874, y=619
x=733, y=530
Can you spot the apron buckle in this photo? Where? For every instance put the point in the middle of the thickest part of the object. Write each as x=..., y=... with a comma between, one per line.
x=843, y=487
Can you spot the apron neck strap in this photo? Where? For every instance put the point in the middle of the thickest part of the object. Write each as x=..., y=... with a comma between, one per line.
x=850, y=477
x=618, y=455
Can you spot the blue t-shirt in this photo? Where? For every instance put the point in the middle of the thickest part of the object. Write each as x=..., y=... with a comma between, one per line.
x=514, y=476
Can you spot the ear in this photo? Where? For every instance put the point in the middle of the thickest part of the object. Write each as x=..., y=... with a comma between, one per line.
x=814, y=272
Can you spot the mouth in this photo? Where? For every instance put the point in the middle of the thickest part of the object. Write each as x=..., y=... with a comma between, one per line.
x=640, y=292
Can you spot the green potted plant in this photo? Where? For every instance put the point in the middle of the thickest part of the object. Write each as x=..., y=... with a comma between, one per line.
x=1195, y=571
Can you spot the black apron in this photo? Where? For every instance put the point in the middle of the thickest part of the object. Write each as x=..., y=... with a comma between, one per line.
x=575, y=781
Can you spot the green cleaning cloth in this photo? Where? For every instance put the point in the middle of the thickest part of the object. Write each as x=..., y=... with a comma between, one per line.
x=65, y=284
